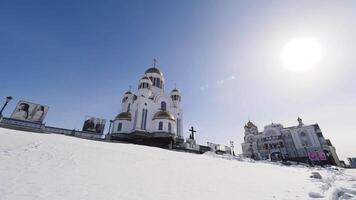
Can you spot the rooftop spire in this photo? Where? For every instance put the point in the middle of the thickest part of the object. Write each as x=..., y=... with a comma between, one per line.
x=155, y=62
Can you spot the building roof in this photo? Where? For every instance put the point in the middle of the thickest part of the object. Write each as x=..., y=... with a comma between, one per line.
x=163, y=115
x=154, y=70
x=123, y=116
x=175, y=90
x=250, y=125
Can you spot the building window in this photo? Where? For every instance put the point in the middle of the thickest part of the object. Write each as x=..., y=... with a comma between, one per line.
x=178, y=126
x=163, y=106
x=144, y=119
x=169, y=127
x=144, y=126
x=319, y=134
x=124, y=99
x=119, y=127
x=281, y=145
x=128, y=107
x=160, y=126
x=265, y=146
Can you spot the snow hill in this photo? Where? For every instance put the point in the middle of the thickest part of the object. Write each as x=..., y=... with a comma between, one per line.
x=49, y=166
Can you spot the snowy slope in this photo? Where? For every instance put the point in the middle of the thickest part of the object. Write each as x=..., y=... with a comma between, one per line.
x=49, y=166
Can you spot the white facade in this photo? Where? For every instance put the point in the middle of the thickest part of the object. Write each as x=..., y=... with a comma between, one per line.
x=151, y=110
x=294, y=143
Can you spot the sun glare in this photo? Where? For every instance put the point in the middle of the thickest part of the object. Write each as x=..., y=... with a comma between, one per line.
x=301, y=54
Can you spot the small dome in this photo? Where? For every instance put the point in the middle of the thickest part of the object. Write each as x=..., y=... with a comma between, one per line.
x=163, y=115
x=154, y=70
x=175, y=90
x=250, y=125
x=123, y=116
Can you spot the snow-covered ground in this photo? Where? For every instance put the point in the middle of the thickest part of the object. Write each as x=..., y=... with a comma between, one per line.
x=48, y=166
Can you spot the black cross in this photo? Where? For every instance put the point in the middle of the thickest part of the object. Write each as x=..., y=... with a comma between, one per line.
x=192, y=131
x=154, y=62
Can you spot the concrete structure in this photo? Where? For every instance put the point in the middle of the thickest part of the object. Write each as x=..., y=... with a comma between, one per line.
x=301, y=143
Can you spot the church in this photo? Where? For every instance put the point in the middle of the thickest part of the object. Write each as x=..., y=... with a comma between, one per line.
x=152, y=116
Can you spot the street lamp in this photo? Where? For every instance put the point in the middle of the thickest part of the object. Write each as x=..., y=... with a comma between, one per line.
x=8, y=99
x=110, y=122
x=108, y=136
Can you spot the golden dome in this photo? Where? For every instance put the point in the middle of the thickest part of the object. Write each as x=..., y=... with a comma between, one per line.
x=163, y=115
x=123, y=116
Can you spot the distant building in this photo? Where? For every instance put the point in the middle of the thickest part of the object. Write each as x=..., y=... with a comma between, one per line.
x=352, y=162
x=301, y=143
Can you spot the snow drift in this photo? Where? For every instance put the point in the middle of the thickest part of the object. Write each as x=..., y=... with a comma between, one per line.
x=49, y=166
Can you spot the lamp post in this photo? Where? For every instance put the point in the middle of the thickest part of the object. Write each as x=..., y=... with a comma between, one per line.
x=110, y=123
x=8, y=99
x=108, y=135
x=306, y=152
x=232, y=147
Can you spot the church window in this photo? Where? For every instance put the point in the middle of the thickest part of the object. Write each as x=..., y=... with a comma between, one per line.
x=178, y=122
x=145, y=122
x=154, y=81
x=124, y=99
x=163, y=106
x=144, y=119
x=119, y=127
x=160, y=126
x=169, y=127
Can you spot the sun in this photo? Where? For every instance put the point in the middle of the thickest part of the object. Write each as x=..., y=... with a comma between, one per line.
x=301, y=54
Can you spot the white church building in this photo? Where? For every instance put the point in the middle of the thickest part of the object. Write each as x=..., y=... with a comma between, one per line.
x=152, y=116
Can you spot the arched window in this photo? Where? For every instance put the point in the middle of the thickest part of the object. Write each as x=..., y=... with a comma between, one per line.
x=158, y=83
x=128, y=107
x=160, y=126
x=119, y=127
x=144, y=119
x=154, y=81
x=163, y=106
x=169, y=127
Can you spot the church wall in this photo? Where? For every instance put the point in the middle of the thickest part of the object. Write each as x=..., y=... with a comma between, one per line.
x=124, y=127
x=149, y=100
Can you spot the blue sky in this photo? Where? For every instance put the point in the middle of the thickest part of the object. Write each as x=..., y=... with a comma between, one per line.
x=79, y=57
